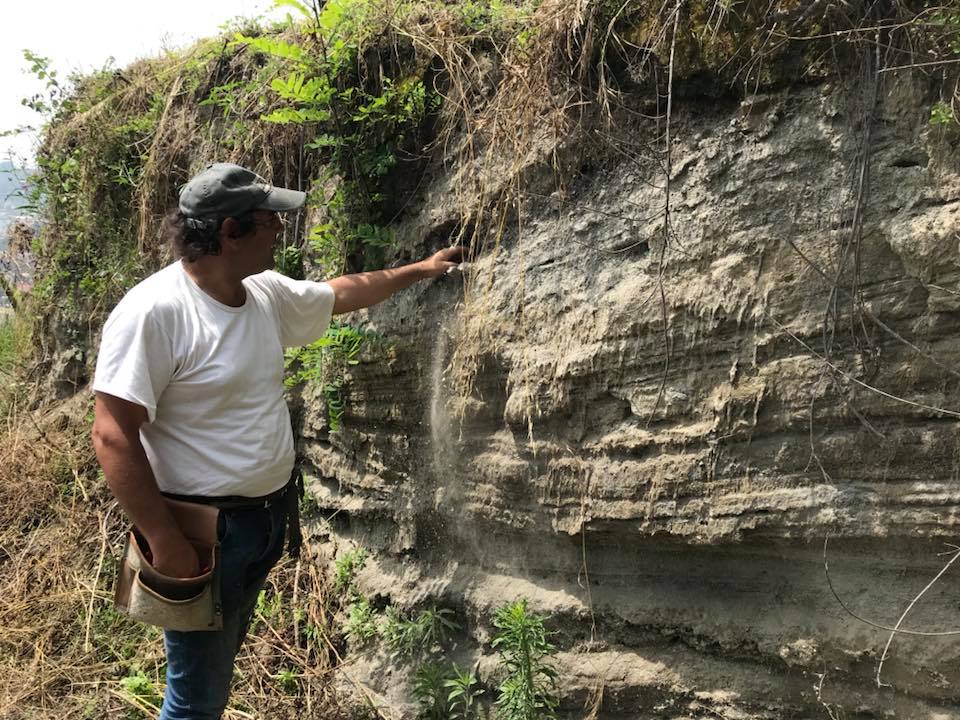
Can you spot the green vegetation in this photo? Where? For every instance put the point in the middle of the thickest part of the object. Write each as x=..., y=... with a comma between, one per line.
x=422, y=635
x=355, y=101
x=419, y=640
x=361, y=621
x=942, y=114
x=14, y=343
x=529, y=690
x=49, y=99
x=118, y=638
x=269, y=605
x=325, y=362
x=445, y=693
x=288, y=679
x=142, y=690
x=362, y=104
x=462, y=693
x=361, y=115
x=430, y=692
x=361, y=624
x=346, y=568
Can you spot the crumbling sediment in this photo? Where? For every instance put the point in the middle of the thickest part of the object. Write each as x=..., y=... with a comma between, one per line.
x=662, y=489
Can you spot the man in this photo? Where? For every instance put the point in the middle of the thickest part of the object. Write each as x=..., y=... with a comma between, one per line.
x=189, y=401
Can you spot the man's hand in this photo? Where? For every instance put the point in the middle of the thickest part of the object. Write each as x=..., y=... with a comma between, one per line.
x=174, y=556
x=116, y=439
x=440, y=262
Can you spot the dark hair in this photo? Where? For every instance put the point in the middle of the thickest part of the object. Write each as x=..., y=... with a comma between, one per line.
x=192, y=238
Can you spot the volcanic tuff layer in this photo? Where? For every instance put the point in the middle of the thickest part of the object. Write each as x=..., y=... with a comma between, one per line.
x=663, y=492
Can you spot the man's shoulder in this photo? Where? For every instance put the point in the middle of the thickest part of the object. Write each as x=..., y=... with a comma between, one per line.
x=268, y=280
x=160, y=294
x=273, y=282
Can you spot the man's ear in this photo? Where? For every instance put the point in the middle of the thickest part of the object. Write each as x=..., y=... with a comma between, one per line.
x=229, y=228
x=229, y=234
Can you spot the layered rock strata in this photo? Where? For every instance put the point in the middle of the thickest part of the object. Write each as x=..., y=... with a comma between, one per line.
x=657, y=437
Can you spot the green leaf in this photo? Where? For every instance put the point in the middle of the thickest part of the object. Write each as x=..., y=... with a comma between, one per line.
x=298, y=6
x=284, y=116
x=271, y=46
x=299, y=88
x=324, y=141
x=942, y=114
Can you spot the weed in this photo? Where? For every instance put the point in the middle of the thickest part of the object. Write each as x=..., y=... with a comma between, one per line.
x=948, y=19
x=430, y=692
x=942, y=114
x=309, y=504
x=289, y=261
x=529, y=690
x=445, y=694
x=117, y=638
x=54, y=93
x=289, y=681
x=8, y=343
x=462, y=693
x=422, y=635
x=361, y=115
x=269, y=608
x=141, y=689
x=346, y=568
x=361, y=621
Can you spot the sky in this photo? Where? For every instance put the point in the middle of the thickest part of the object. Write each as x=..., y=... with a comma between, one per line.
x=84, y=34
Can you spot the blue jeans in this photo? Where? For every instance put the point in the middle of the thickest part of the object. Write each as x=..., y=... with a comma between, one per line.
x=200, y=664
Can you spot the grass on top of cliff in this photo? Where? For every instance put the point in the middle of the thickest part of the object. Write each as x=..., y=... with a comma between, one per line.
x=362, y=103
x=355, y=99
x=64, y=651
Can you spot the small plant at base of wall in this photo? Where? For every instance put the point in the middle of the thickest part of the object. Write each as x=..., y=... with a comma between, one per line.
x=462, y=693
x=529, y=690
x=361, y=622
x=346, y=568
x=418, y=636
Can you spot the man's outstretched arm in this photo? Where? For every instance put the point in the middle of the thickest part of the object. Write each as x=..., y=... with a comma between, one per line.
x=354, y=292
x=116, y=439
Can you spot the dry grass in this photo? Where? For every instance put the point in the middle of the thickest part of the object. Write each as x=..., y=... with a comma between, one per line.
x=65, y=653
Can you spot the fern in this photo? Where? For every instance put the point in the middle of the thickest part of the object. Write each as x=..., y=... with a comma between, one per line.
x=273, y=47
x=325, y=361
x=285, y=116
x=299, y=88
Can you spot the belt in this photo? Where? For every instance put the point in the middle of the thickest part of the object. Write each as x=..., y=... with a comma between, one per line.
x=290, y=495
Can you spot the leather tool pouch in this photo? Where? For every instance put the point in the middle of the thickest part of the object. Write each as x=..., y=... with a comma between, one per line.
x=185, y=604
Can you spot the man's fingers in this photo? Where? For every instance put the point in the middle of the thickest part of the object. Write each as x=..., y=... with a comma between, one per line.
x=451, y=253
x=446, y=261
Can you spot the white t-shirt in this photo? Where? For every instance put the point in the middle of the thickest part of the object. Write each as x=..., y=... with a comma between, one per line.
x=211, y=377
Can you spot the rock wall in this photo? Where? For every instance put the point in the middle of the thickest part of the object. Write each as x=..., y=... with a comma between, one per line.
x=658, y=438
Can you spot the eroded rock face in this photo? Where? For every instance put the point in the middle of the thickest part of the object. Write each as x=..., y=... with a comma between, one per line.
x=658, y=439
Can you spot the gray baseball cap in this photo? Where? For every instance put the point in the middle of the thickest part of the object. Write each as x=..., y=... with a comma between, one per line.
x=227, y=190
